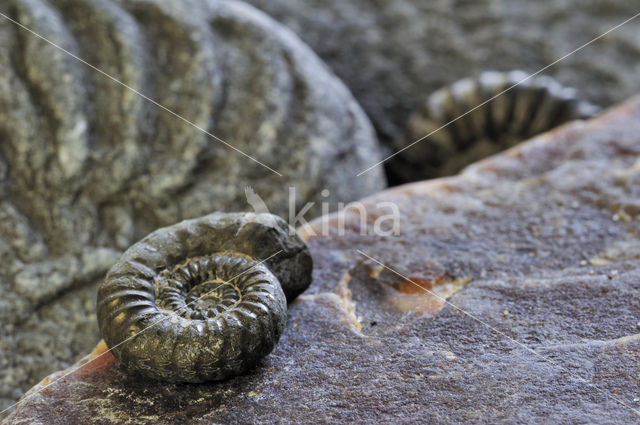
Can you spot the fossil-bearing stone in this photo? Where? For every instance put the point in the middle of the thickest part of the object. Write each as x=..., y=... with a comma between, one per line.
x=539, y=246
x=88, y=167
x=393, y=54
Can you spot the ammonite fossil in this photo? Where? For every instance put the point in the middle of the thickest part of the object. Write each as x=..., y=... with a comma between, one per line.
x=193, y=302
x=532, y=107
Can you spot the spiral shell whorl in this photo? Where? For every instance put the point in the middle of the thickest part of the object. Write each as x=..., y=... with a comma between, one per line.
x=207, y=314
x=477, y=117
x=205, y=287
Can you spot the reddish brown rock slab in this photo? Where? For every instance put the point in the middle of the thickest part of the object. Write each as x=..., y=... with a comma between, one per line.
x=538, y=252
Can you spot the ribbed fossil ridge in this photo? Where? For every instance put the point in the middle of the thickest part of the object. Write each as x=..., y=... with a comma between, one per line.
x=453, y=134
x=205, y=287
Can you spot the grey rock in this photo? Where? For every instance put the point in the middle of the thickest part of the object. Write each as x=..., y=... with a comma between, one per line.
x=537, y=253
x=88, y=167
x=393, y=54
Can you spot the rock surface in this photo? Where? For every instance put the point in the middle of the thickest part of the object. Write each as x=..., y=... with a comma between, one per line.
x=394, y=53
x=87, y=167
x=537, y=250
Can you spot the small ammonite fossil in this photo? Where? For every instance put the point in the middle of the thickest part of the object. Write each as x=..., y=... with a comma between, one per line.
x=536, y=105
x=193, y=302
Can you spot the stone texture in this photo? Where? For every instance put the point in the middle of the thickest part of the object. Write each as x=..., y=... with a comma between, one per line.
x=87, y=167
x=394, y=53
x=538, y=245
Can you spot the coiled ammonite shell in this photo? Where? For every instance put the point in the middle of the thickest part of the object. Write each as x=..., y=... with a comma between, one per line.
x=532, y=107
x=195, y=302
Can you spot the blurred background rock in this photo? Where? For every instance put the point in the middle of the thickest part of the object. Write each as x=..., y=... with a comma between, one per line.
x=394, y=53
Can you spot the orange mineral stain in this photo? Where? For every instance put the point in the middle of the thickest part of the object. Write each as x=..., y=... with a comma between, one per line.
x=417, y=285
x=426, y=296
x=96, y=361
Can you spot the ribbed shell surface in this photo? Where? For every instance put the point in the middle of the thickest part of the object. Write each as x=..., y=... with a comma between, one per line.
x=193, y=302
x=476, y=117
